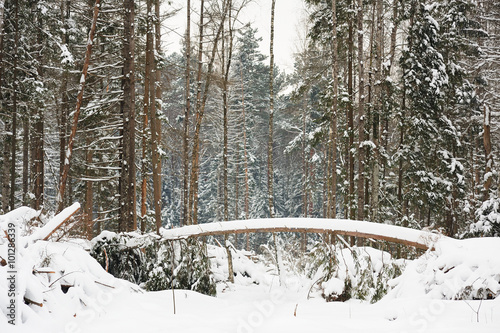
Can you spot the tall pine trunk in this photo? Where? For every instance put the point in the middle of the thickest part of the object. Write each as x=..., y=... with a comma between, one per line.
x=488, y=178
x=270, y=171
x=37, y=165
x=193, y=182
x=245, y=157
x=26, y=156
x=38, y=160
x=332, y=144
x=187, y=111
x=158, y=111
x=64, y=107
x=225, y=74
x=5, y=156
x=350, y=211
x=154, y=121
x=145, y=126
x=79, y=100
x=88, y=208
x=128, y=214
x=14, y=111
x=376, y=113
x=226, y=65
x=201, y=100
x=361, y=115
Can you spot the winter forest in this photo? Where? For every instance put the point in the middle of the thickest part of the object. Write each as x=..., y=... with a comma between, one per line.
x=390, y=118
x=390, y=115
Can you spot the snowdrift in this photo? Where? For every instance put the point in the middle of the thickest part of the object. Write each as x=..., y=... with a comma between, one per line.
x=457, y=269
x=54, y=280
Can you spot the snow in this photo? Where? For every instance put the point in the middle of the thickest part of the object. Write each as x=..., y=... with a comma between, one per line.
x=367, y=143
x=18, y=217
x=66, y=56
x=258, y=301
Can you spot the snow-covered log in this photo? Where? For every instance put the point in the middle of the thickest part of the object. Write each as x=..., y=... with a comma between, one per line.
x=418, y=238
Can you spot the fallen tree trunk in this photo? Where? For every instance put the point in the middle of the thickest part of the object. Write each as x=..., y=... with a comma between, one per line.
x=391, y=233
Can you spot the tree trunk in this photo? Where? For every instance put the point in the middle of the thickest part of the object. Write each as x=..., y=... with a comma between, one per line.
x=332, y=170
x=192, y=181
x=226, y=65
x=127, y=192
x=37, y=165
x=88, y=208
x=270, y=171
x=158, y=111
x=229, y=260
x=144, y=171
x=5, y=156
x=225, y=74
x=64, y=109
x=88, y=53
x=6, y=170
x=237, y=185
x=361, y=115
x=14, y=111
x=187, y=111
x=376, y=113
x=401, y=199
x=154, y=121
x=245, y=156
x=304, y=157
x=38, y=160
x=488, y=176
x=26, y=157
x=350, y=212
x=201, y=100
x=305, y=170
x=145, y=126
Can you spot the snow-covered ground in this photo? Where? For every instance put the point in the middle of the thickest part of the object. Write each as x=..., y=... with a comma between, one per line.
x=258, y=301
x=259, y=308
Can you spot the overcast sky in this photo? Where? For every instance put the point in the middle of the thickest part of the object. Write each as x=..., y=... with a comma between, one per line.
x=287, y=27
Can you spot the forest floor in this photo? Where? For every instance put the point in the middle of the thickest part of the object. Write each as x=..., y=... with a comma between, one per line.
x=262, y=308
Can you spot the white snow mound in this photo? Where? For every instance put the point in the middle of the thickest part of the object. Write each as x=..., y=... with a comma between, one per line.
x=457, y=269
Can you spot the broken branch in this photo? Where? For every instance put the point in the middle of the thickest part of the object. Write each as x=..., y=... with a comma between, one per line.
x=103, y=284
x=29, y=301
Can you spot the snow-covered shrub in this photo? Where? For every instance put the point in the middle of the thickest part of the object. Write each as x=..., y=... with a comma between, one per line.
x=248, y=268
x=488, y=219
x=155, y=263
x=182, y=264
x=121, y=254
x=358, y=272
